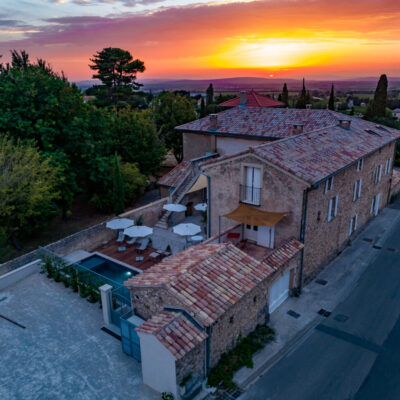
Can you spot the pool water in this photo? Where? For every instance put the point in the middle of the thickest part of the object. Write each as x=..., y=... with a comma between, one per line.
x=107, y=268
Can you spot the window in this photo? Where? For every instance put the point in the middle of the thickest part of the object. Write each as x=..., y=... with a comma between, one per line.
x=353, y=225
x=378, y=173
x=329, y=184
x=231, y=320
x=388, y=164
x=375, y=202
x=360, y=164
x=357, y=189
x=333, y=206
x=252, y=187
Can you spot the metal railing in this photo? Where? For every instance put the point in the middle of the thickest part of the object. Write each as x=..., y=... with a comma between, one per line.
x=250, y=195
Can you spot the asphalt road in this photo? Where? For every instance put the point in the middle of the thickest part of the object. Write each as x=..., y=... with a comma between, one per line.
x=352, y=354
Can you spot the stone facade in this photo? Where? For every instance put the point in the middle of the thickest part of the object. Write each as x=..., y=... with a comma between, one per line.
x=323, y=238
x=279, y=192
x=192, y=363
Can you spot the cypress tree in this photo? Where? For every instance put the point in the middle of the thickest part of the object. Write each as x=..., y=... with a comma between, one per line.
x=210, y=95
x=331, y=102
x=377, y=107
x=202, y=108
x=302, y=100
x=118, y=188
x=285, y=94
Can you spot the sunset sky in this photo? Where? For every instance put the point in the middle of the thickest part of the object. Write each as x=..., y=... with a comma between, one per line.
x=211, y=39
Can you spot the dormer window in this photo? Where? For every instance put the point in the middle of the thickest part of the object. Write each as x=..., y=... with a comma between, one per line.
x=251, y=190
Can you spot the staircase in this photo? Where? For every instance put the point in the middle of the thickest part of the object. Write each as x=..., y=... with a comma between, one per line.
x=178, y=194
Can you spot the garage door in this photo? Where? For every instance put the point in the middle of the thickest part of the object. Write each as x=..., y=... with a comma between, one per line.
x=279, y=292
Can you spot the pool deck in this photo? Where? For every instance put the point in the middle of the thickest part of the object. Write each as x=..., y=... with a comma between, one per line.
x=129, y=255
x=62, y=353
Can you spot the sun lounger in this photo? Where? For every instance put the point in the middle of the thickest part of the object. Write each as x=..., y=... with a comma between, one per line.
x=131, y=241
x=143, y=245
x=121, y=237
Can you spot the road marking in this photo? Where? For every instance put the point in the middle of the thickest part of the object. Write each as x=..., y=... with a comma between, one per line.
x=348, y=337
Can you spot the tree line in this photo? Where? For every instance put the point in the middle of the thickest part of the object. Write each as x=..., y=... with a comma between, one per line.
x=54, y=146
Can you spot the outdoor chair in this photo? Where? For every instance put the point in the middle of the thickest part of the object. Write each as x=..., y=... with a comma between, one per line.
x=143, y=245
x=131, y=241
x=121, y=237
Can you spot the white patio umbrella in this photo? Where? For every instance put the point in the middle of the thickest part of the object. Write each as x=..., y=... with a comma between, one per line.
x=197, y=238
x=186, y=229
x=138, y=231
x=201, y=207
x=174, y=207
x=119, y=223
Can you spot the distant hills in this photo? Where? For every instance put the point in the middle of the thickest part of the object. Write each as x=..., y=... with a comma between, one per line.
x=363, y=84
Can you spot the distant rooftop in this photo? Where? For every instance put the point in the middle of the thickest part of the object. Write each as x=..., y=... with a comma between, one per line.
x=252, y=99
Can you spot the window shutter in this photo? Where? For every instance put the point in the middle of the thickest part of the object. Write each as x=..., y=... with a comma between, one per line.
x=372, y=206
x=389, y=164
x=355, y=191
x=351, y=226
x=355, y=221
x=336, y=204
x=359, y=187
x=330, y=210
x=380, y=173
x=326, y=186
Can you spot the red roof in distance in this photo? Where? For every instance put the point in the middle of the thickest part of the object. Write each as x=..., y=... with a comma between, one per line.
x=252, y=99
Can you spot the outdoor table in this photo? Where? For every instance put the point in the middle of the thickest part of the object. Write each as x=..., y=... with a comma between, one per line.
x=140, y=258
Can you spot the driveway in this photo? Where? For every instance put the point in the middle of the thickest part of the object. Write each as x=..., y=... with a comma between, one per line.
x=62, y=353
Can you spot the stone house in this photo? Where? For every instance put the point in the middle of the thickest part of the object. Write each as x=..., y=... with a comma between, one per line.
x=199, y=301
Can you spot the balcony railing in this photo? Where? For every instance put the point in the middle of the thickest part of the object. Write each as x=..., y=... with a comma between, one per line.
x=250, y=195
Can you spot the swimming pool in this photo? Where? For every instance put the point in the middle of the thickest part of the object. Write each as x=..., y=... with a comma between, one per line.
x=108, y=268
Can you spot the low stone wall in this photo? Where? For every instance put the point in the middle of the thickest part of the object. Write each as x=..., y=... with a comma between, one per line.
x=89, y=238
x=149, y=213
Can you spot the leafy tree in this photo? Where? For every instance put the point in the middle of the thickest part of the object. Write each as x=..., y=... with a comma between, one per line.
x=377, y=108
x=169, y=111
x=28, y=185
x=118, y=188
x=331, y=102
x=134, y=181
x=202, y=108
x=134, y=138
x=210, y=95
x=117, y=70
x=285, y=95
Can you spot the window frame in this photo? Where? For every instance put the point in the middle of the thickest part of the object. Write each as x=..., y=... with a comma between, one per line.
x=328, y=184
x=360, y=164
x=333, y=204
x=357, y=189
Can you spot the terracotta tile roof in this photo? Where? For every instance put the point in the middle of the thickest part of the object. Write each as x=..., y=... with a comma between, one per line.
x=174, y=331
x=176, y=175
x=315, y=156
x=254, y=99
x=264, y=122
x=283, y=254
x=207, y=279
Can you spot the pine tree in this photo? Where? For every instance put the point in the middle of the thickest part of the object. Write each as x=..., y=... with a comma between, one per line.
x=280, y=97
x=118, y=188
x=377, y=107
x=331, y=102
x=210, y=95
x=285, y=94
x=202, y=108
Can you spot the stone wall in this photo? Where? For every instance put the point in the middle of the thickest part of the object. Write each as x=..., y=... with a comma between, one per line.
x=192, y=363
x=197, y=145
x=150, y=213
x=279, y=192
x=395, y=189
x=323, y=239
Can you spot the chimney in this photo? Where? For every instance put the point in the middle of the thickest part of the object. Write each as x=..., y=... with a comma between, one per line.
x=297, y=129
x=243, y=98
x=213, y=122
x=345, y=123
x=308, y=106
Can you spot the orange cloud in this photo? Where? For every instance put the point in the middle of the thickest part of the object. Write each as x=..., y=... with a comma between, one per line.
x=286, y=38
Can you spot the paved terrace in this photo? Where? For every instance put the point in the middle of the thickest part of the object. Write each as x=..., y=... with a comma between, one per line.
x=62, y=353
